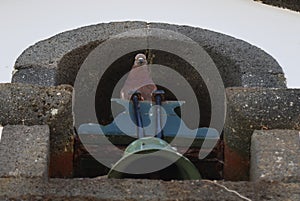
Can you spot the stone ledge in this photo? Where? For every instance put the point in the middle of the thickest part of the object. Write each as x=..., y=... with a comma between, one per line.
x=24, y=152
x=250, y=109
x=275, y=155
x=110, y=189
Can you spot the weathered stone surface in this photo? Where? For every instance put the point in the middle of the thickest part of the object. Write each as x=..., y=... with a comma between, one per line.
x=24, y=152
x=37, y=76
x=110, y=189
x=290, y=4
x=239, y=63
x=57, y=60
x=250, y=109
x=275, y=155
x=65, y=53
x=22, y=104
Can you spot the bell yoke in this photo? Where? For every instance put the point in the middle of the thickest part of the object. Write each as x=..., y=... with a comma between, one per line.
x=153, y=121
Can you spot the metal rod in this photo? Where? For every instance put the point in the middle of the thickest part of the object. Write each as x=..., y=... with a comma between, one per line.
x=138, y=117
x=158, y=97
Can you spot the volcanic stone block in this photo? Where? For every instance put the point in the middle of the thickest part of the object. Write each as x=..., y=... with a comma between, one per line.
x=37, y=76
x=22, y=104
x=62, y=55
x=239, y=63
x=57, y=60
x=275, y=155
x=250, y=109
x=24, y=151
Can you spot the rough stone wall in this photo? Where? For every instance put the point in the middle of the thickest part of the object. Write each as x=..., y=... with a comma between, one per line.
x=56, y=61
x=275, y=155
x=37, y=98
x=250, y=109
x=23, y=104
x=290, y=4
x=24, y=152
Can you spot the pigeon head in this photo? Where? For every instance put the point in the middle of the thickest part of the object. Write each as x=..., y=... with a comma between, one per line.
x=140, y=60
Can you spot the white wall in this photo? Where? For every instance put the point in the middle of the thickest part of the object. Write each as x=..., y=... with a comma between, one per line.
x=275, y=30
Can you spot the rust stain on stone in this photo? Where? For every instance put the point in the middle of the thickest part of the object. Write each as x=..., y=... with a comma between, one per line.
x=61, y=165
x=236, y=166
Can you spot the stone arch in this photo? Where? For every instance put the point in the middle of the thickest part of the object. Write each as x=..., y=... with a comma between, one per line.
x=56, y=60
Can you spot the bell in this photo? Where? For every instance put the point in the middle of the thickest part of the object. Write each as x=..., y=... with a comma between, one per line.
x=153, y=158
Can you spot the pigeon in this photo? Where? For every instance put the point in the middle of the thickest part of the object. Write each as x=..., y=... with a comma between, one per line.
x=139, y=79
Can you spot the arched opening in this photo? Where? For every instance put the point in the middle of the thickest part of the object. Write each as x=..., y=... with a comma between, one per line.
x=104, y=93
x=123, y=65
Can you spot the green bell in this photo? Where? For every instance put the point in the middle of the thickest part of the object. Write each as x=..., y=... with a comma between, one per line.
x=153, y=158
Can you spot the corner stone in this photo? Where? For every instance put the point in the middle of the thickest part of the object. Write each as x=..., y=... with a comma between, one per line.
x=250, y=109
x=23, y=104
x=275, y=156
x=24, y=152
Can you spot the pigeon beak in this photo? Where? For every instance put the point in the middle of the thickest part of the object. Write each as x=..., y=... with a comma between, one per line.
x=141, y=60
